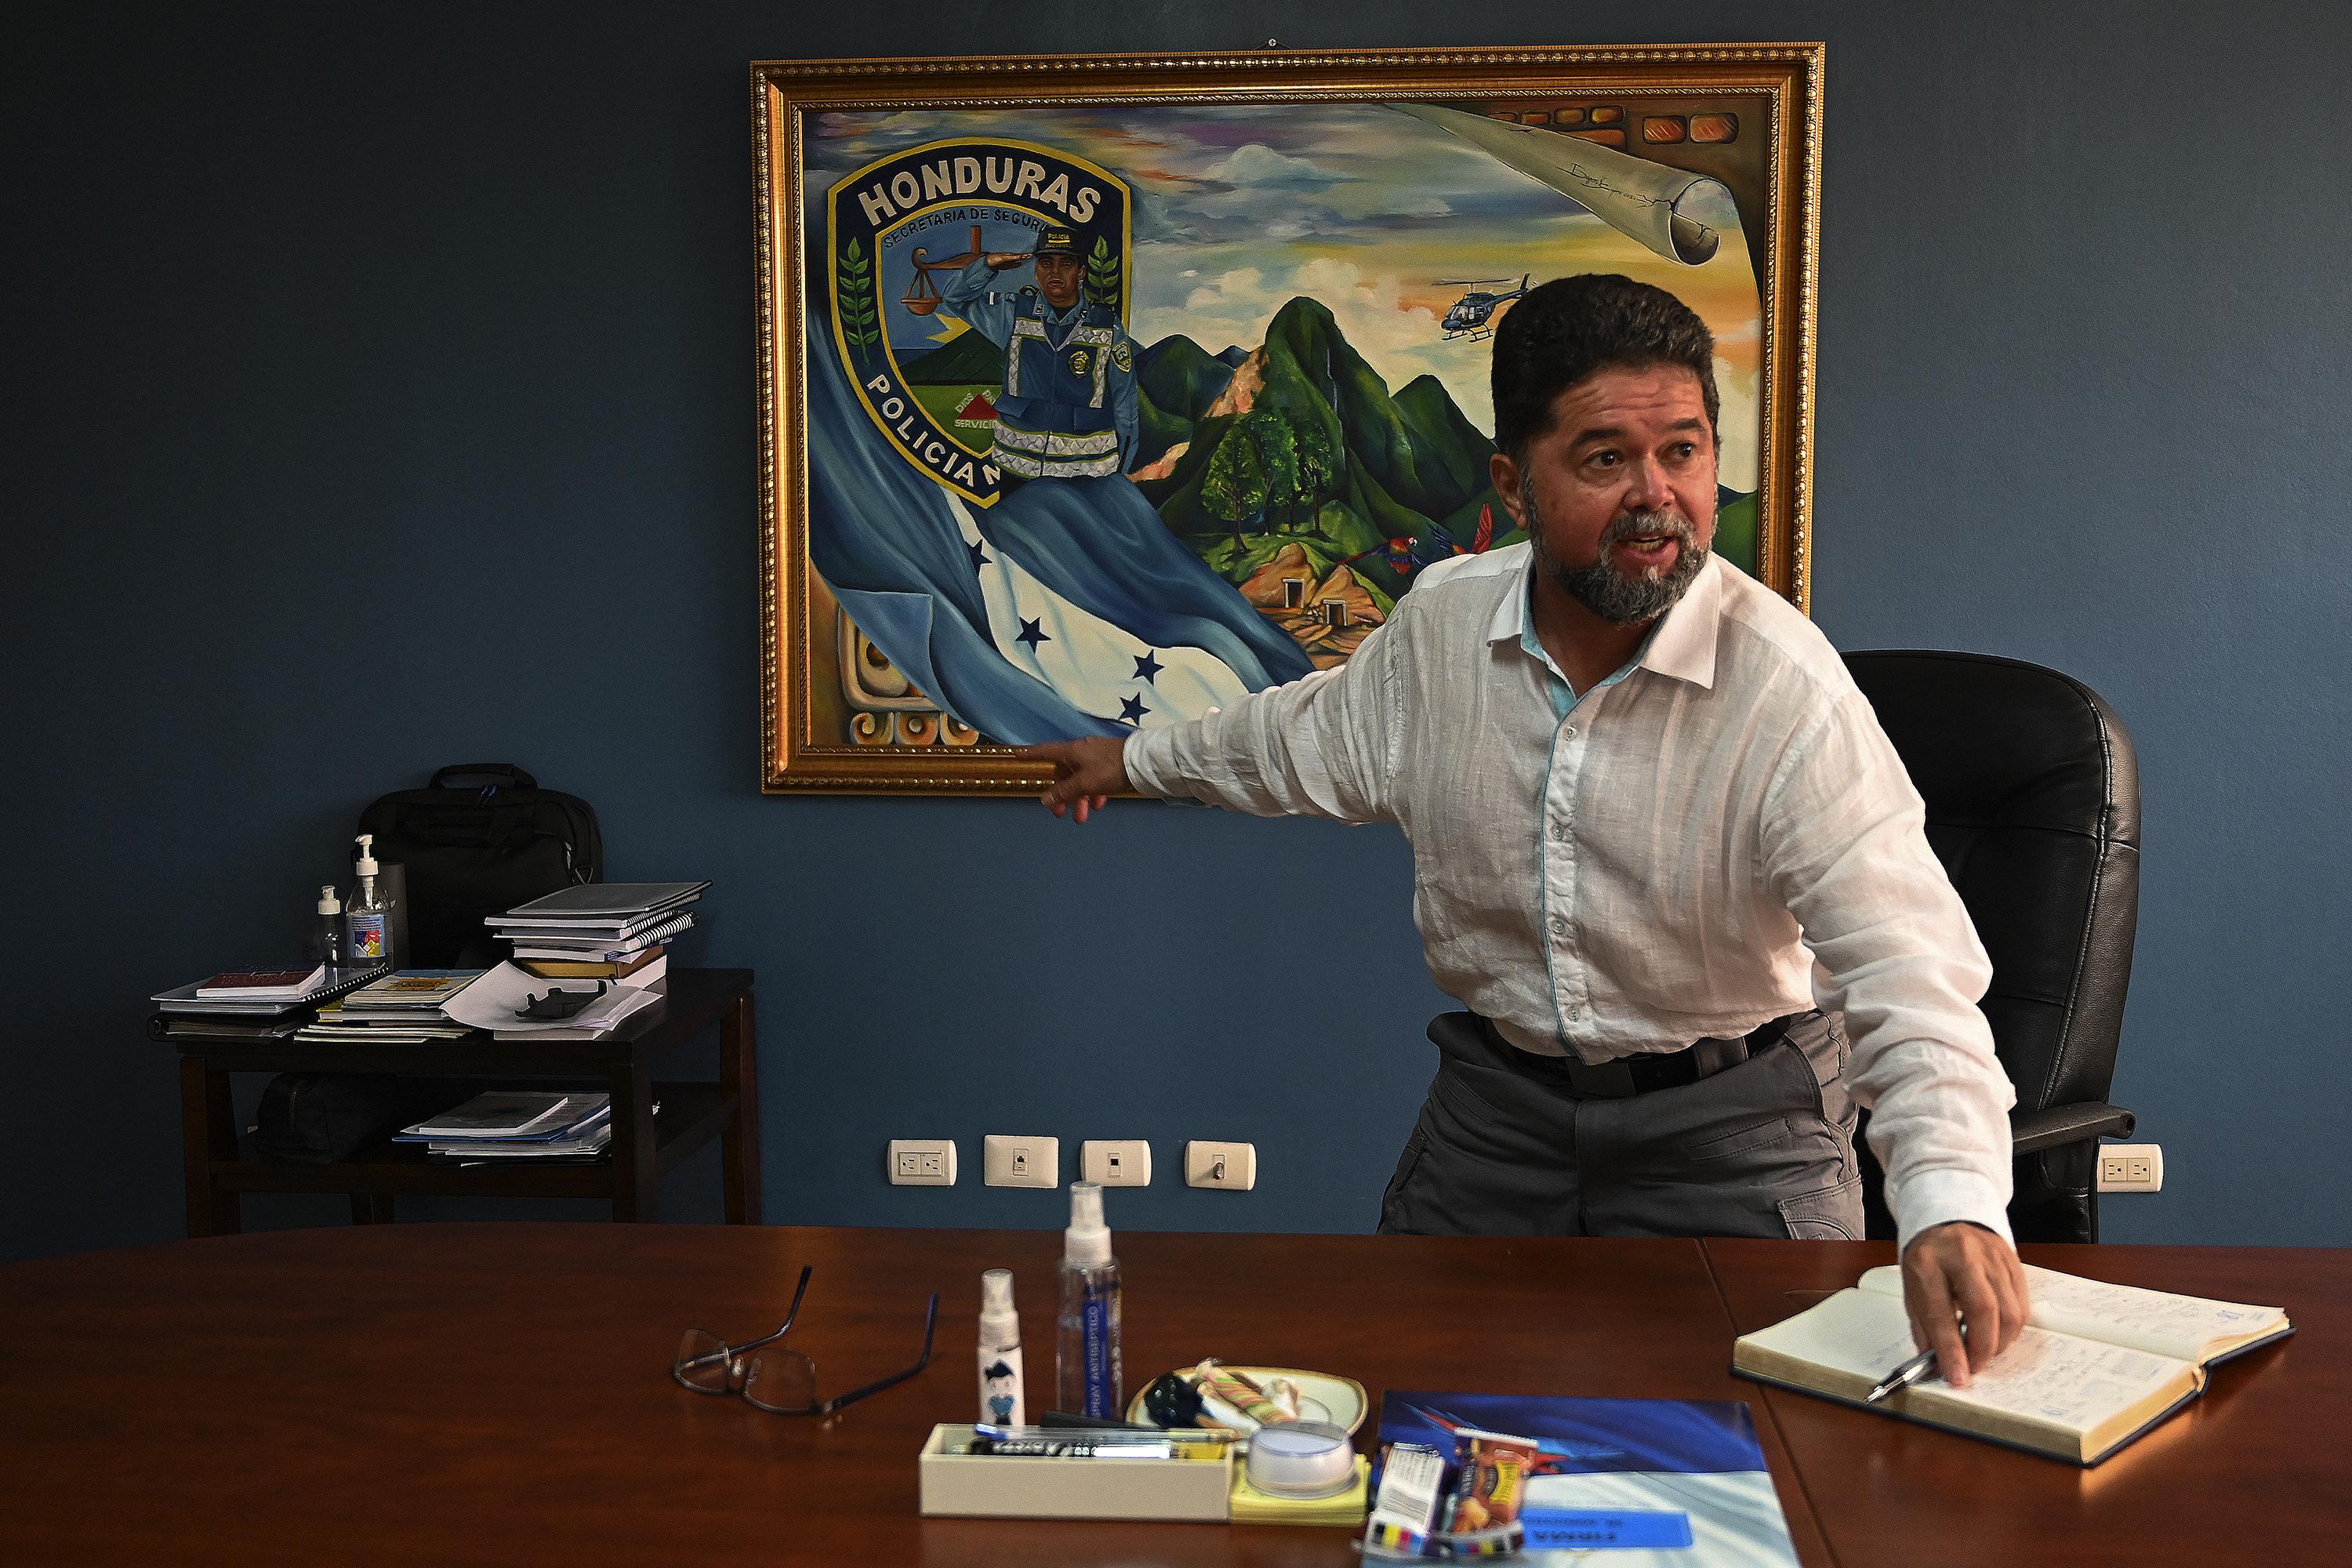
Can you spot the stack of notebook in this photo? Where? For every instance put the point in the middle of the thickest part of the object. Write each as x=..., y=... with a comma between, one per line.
x=617, y=932
x=513, y=1125
x=261, y=1003
x=403, y=1008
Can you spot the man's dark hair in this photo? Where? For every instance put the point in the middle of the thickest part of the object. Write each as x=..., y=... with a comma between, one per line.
x=1571, y=327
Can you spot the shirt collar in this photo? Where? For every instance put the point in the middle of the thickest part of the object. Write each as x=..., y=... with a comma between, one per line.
x=1681, y=646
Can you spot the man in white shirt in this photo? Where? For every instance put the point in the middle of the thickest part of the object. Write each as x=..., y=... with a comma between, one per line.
x=1654, y=828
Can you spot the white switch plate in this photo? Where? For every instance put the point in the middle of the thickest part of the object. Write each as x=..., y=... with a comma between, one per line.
x=1230, y=1166
x=2131, y=1168
x=1011, y=1161
x=921, y=1163
x=1115, y=1161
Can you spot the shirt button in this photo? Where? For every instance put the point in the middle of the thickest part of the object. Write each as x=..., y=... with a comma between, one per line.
x=1559, y=832
x=1569, y=732
x=1573, y=1014
x=1558, y=925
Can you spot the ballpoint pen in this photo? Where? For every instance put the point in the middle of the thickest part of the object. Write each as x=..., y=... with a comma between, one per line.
x=1903, y=1376
x=1910, y=1371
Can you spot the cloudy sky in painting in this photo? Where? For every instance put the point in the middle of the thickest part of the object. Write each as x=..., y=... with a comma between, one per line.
x=1241, y=208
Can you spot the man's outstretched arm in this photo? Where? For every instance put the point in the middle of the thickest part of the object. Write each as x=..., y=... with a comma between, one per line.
x=1323, y=745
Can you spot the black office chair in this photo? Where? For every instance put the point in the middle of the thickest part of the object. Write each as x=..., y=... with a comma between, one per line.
x=2032, y=796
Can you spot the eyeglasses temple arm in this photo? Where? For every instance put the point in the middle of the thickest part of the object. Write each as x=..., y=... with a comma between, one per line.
x=930, y=1322
x=794, y=1311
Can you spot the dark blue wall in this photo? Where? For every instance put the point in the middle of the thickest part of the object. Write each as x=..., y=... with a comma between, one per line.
x=379, y=394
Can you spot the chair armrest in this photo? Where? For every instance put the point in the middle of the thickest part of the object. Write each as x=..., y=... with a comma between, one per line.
x=2030, y=1132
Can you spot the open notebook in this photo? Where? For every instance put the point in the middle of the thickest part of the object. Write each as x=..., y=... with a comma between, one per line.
x=2097, y=1365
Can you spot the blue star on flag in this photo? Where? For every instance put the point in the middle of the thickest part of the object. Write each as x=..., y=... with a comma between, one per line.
x=1032, y=632
x=978, y=559
x=1147, y=665
x=1132, y=711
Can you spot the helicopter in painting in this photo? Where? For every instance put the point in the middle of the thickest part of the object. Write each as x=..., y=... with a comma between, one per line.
x=1466, y=317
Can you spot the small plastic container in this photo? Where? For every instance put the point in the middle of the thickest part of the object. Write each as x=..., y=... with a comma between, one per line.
x=1301, y=1459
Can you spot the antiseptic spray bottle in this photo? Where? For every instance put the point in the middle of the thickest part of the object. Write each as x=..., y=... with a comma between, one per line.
x=1087, y=1372
x=1002, y=1397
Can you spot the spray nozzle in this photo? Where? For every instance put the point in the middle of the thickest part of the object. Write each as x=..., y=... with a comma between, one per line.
x=997, y=1296
x=1087, y=1241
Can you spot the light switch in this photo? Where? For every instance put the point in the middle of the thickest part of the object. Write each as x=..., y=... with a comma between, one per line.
x=1115, y=1161
x=1012, y=1161
x=1230, y=1166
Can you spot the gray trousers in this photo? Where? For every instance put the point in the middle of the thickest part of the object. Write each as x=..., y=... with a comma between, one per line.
x=1505, y=1147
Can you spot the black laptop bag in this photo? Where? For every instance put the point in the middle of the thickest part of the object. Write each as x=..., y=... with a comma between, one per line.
x=478, y=840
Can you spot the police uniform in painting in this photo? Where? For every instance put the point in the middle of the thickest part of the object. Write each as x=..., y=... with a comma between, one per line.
x=1069, y=407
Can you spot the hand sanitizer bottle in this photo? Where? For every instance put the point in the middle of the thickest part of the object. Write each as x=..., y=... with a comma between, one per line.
x=1087, y=1375
x=1001, y=1395
x=364, y=921
x=327, y=933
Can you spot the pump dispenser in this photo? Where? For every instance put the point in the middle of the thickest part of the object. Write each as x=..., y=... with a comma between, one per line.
x=1087, y=1375
x=364, y=922
x=1003, y=1400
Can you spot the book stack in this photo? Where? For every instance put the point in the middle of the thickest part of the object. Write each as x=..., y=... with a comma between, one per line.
x=617, y=932
x=404, y=1009
x=256, y=1003
x=564, y=1128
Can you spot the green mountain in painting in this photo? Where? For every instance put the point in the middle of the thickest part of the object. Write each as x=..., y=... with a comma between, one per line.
x=969, y=358
x=1180, y=377
x=1335, y=464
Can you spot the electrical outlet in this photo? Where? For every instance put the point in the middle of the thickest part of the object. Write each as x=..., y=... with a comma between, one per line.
x=1011, y=1161
x=921, y=1163
x=2131, y=1168
x=1232, y=1167
x=1115, y=1161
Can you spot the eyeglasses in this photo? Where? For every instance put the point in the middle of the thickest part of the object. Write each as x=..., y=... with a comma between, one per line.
x=782, y=1381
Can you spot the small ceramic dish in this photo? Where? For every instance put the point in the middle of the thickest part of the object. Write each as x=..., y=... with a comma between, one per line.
x=1340, y=1401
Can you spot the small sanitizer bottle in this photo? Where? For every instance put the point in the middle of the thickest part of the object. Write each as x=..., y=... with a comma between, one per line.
x=327, y=933
x=365, y=920
x=1002, y=1401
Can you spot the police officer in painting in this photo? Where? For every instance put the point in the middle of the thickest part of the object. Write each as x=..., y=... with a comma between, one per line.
x=1069, y=407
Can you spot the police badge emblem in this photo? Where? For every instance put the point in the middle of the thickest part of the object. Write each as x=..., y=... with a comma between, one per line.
x=900, y=235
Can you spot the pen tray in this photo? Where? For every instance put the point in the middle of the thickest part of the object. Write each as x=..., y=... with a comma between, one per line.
x=1007, y=1485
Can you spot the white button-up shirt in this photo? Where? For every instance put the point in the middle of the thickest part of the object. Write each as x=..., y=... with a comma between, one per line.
x=1718, y=837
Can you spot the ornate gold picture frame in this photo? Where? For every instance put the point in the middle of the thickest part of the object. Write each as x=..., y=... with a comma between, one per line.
x=1097, y=391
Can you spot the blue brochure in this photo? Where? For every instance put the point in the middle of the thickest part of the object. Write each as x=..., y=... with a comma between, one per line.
x=1650, y=1482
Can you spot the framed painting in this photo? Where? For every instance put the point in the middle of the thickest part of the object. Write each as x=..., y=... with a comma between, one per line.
x=1096, y=392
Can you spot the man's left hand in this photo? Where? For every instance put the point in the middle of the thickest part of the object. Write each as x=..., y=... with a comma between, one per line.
x=1954, y=1272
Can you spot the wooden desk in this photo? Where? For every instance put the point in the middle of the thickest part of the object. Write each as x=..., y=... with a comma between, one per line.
x=220, y=1165
x=496, y=1394
x=2255, y=1472
x=500, y=1393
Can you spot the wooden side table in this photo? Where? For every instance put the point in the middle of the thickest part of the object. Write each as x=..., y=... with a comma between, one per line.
x=222, y=1166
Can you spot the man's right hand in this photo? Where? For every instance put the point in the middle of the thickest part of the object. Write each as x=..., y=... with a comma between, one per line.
x=1006, y=260
x=1086, y=774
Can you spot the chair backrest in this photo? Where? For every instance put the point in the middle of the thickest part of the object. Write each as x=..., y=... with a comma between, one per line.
x=2033, y=798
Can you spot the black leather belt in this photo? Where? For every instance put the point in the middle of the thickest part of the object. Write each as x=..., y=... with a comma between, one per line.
x=1629, y=1076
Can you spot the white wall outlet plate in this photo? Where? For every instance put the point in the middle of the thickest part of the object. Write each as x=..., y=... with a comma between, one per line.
x=921, y=1163
x=2131, y=1168
x=1230, y=1166
x=1115, y=1161
x=1011, y=1161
